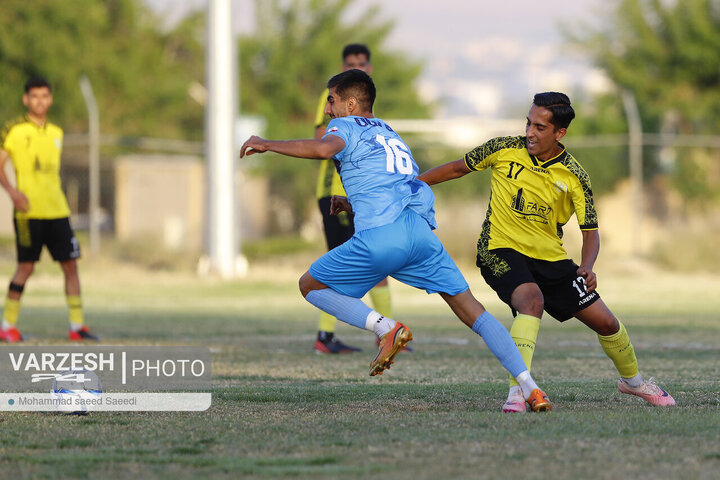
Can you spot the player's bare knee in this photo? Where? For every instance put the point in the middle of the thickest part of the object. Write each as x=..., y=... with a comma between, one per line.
x=531, y=305
x=465, y=306
x=24, y=270
x=528, y=299
x=306, y=284
x=608, y=326
x=69, y=267
x=599, y=318
x=535, y=306
x=302, y=285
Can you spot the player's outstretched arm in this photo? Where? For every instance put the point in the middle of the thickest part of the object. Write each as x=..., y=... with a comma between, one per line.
x=443, y=173
x=314, y=149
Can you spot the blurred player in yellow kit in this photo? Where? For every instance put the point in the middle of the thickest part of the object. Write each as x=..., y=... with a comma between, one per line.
x=42, y=215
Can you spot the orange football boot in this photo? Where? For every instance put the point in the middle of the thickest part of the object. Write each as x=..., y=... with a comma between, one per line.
x=539, y=401
x=390, y=344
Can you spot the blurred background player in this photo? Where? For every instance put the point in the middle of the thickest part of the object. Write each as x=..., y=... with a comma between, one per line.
x=339, y=228
x=41, y=212
x=536, y=187
x=394, y=219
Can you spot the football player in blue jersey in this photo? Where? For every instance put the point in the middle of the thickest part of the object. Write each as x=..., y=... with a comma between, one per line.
x=394, y=217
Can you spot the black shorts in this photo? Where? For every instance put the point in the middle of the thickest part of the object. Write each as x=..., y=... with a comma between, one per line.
x=564, y=291
x=31, y=234
x=338, y=228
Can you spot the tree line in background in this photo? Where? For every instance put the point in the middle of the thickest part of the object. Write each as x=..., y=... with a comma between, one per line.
x=140, y=72
x=667, y=53
x=148, y=76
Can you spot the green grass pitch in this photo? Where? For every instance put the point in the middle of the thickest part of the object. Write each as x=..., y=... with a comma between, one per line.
x=281, y=411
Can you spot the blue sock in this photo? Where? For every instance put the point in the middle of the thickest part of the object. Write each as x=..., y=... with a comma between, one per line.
x=348, y=309
x=500, y=343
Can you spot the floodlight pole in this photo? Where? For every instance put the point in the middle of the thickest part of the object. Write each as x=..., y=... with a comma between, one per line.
x=94, y=162
x=636, y=167
x=222, y=242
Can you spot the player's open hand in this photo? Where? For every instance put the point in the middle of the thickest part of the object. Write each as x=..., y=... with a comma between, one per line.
x=338, y=204
x=20, y=201
x=589, y=276
x=253, y=145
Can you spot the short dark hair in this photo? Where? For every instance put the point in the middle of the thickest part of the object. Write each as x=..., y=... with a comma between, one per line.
x=356, y=49
x=355, y=83
x=559, y=105
x=36, y=82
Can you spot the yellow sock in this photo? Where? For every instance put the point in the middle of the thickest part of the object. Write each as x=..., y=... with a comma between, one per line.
x=380, y=297
x=326, y=323
x=524, y=332
x=75, y=312
x=11, y=311
x=621, y=352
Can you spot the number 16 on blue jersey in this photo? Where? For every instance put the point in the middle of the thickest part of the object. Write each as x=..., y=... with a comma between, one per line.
x=398, y=155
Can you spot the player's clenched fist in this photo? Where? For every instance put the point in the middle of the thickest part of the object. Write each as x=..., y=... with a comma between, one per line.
x=252, y=145
x=338, y=204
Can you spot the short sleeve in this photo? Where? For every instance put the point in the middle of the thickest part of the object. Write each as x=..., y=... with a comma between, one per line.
x=341, y=129
x=486, y=154
x=6, y=139
x=583, y=202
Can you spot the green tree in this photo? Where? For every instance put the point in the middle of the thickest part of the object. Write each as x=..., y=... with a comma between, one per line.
x=140, y=74
x=602, y=115
x=285, y=64
x=668, y=54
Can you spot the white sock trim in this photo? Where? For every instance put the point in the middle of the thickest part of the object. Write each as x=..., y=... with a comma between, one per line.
x=372, y=319
x=635, y=381
x=378, y=324
x=526, y=383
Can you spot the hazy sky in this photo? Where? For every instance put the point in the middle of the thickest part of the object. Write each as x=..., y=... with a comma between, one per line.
x=489, y=55
x=482, y=57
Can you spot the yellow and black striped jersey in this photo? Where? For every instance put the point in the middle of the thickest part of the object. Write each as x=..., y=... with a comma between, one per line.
x=530, y=199
x=35, y=153
x=329, y=182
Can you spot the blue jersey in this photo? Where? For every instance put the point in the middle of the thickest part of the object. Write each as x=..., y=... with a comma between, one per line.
x=379, y=173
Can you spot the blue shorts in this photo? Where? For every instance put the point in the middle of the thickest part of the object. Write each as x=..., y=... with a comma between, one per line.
x=406, y=250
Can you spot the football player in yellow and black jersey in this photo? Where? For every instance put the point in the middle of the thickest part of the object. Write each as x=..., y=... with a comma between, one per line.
x=41, y=214
x=536, y=186
x=339, y=228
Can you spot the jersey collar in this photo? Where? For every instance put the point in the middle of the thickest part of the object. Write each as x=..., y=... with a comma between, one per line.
x=39, y=127
x=558, y=158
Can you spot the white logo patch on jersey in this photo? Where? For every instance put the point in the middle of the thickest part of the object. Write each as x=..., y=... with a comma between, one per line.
x=561, y=187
